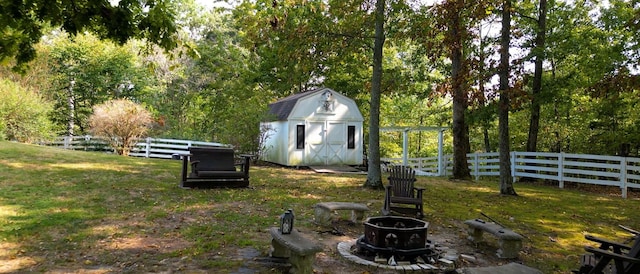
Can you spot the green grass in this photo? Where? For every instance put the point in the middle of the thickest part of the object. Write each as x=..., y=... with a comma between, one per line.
x=71, y=211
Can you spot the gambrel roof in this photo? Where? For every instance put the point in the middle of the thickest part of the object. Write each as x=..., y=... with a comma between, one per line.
x=283, y=107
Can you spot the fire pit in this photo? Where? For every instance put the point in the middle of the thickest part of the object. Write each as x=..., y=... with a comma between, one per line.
x=401, y=237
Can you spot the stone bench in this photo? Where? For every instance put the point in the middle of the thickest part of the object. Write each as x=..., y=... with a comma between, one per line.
x=509, y=242
x=323, y=211
x=299, y=250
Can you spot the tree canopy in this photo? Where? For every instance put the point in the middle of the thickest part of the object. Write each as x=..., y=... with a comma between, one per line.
x=23, y=23
x=572, y=78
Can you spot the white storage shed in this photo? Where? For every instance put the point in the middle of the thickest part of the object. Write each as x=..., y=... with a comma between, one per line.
x=317, y=127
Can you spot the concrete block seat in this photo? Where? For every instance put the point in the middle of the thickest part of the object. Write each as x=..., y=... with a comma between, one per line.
x=509, y=242
x=323, y=211
x=299, y=250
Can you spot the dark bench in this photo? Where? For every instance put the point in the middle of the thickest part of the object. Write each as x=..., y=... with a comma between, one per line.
x=213, y=167
x=300, y=251
x=509, y=241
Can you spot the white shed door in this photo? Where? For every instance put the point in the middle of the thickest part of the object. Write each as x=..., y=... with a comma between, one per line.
x=316, y=153
x=326, y=142
x=337, y=142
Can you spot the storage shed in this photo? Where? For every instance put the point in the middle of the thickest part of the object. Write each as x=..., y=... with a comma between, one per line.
x=317, y=127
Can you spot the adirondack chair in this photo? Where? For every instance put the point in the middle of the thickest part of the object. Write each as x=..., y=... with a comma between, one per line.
x=213, y=167
x=400, y=195
x=625, y=258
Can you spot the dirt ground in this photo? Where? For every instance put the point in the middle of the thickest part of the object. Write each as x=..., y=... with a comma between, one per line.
x=159, y=250
x=330, y=260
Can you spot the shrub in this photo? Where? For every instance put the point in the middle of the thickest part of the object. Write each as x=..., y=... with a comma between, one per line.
x=23, y=114
x=121, y=122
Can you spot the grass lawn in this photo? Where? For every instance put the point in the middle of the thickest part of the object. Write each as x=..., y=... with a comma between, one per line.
x=67, y=211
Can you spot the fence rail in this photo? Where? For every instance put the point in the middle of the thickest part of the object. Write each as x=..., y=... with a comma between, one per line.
x=623, y=172
x=147, y=147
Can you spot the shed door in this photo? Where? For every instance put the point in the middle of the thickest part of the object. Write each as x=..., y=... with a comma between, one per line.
x=336, y=142
x=327, y=142
x=316, y=153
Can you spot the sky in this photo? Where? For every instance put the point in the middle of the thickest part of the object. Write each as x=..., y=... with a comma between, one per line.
x=208, y=4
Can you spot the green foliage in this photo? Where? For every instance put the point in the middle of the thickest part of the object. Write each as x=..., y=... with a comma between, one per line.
x=91, y=71
x=587, y=90
x=23, y=114
x=261, y=51
x=24, y=23
x=215, y=97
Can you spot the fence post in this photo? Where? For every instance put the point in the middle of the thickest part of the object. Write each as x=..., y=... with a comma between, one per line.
x=442, y=166
x=66, y=140
x=476, y=166
x=513, y=166
x=148, y=148
x=561, y=169
x=623, y=176
x=445, y=161
x=87, y=142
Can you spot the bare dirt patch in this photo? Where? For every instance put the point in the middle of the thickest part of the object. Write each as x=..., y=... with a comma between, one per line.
x=156, y=248
x=330, y=261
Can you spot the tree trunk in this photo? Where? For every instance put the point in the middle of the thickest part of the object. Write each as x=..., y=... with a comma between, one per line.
x=460, y=130
x=374, y=176
x=71, y=102
x=534, y=125
x=506, y=184
x=534, y=122
x=486, y=120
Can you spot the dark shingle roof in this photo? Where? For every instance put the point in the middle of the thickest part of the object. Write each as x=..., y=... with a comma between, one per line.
x=283, y=107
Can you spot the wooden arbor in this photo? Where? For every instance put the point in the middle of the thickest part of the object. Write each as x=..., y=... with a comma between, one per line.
x=405, y=145
x=400, y=195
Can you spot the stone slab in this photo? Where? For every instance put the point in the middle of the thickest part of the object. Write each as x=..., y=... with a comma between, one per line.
x=295, y=242
x=343, y=206
x=495, y=229
x=511, y=268
x=324, y=210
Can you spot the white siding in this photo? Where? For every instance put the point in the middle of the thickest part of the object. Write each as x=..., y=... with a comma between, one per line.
x=275, y=145
x=325, y=129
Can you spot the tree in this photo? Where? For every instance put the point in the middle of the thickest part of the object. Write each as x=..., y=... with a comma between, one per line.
x=374, y=179
x=539, y=48
x=87, y=71
x=456, y=34
x=452, y=38
x=506, y=186
x=23, y=114
x=121, y=122
x=23, y=23
x=222, y=83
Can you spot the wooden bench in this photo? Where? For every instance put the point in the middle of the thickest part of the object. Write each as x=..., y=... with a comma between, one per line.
x=299, y=250
x=323, y=211
x=213, y=167
x=509, y=242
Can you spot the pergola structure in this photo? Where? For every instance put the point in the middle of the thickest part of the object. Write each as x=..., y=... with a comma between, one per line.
x=405, y=142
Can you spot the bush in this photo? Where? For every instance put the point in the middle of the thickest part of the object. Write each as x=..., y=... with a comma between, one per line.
x=121, y=122
x=23, y=114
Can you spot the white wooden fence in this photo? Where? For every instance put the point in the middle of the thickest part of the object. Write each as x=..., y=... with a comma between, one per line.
x=147, y=147
x=623, y=172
